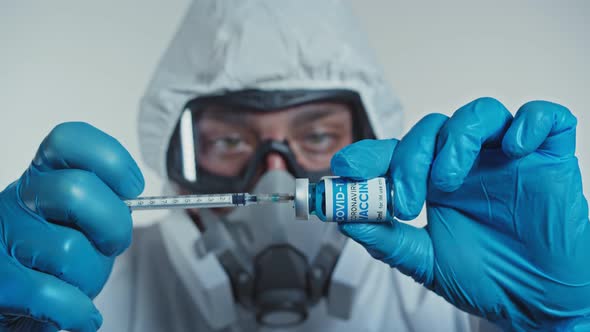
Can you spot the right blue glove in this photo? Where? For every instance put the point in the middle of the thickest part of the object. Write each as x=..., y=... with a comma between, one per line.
x=508, y=237
x=61, y=226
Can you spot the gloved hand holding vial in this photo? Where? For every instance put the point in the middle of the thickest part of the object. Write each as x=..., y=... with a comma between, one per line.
x=508, y=236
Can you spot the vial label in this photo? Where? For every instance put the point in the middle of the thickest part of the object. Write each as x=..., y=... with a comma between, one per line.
x=355, y=201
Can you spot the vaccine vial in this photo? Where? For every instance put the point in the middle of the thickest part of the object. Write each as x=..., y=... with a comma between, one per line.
x=344, y=200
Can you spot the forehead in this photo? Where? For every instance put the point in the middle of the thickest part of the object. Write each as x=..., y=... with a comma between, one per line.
x=302, y=114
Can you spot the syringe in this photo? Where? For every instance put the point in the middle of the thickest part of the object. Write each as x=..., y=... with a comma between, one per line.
x=330, y=199
x=205, y=201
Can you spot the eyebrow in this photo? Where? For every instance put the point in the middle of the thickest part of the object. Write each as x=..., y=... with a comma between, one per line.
x=303, y=117
x=225, y=115
x=313, y=114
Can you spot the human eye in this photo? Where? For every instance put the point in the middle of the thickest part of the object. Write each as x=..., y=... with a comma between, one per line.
x=225, y=145
x=229, y=143
x=319, y=141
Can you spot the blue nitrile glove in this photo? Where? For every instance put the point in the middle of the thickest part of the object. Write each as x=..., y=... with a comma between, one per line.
x=61, y=225
x=507, y=236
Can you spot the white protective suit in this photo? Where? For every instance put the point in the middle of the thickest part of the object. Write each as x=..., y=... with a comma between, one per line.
x=165, y=281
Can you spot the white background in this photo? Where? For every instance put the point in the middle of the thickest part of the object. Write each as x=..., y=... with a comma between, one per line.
x=90, y=61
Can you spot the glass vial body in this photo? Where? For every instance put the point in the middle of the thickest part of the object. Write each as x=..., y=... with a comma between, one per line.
x=344, y=200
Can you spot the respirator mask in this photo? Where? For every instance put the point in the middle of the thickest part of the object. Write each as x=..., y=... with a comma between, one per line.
x=278, y=266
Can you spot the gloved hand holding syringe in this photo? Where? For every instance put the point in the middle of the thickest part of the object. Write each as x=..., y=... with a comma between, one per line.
x=331, y=199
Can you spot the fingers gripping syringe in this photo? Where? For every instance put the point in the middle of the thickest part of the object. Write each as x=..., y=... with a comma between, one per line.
x=205, y=201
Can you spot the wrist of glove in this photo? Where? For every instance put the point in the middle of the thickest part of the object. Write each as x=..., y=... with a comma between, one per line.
x=19, y=324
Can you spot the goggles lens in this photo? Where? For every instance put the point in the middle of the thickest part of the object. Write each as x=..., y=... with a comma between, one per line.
x=227, y=141
x=222, y=144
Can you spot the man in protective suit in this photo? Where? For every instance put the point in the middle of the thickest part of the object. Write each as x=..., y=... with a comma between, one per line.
x=249, y=96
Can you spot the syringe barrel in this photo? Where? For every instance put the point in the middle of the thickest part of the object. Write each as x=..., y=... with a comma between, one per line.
x=345, y=200
x=187, y=201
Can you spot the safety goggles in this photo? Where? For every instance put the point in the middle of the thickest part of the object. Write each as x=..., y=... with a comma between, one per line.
x=221, y=143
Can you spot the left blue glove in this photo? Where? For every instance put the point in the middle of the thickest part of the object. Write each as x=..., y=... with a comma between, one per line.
x=507, y=236
x=61, y=226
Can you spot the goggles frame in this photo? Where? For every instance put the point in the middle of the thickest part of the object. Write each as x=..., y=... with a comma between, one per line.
x=181, y=164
